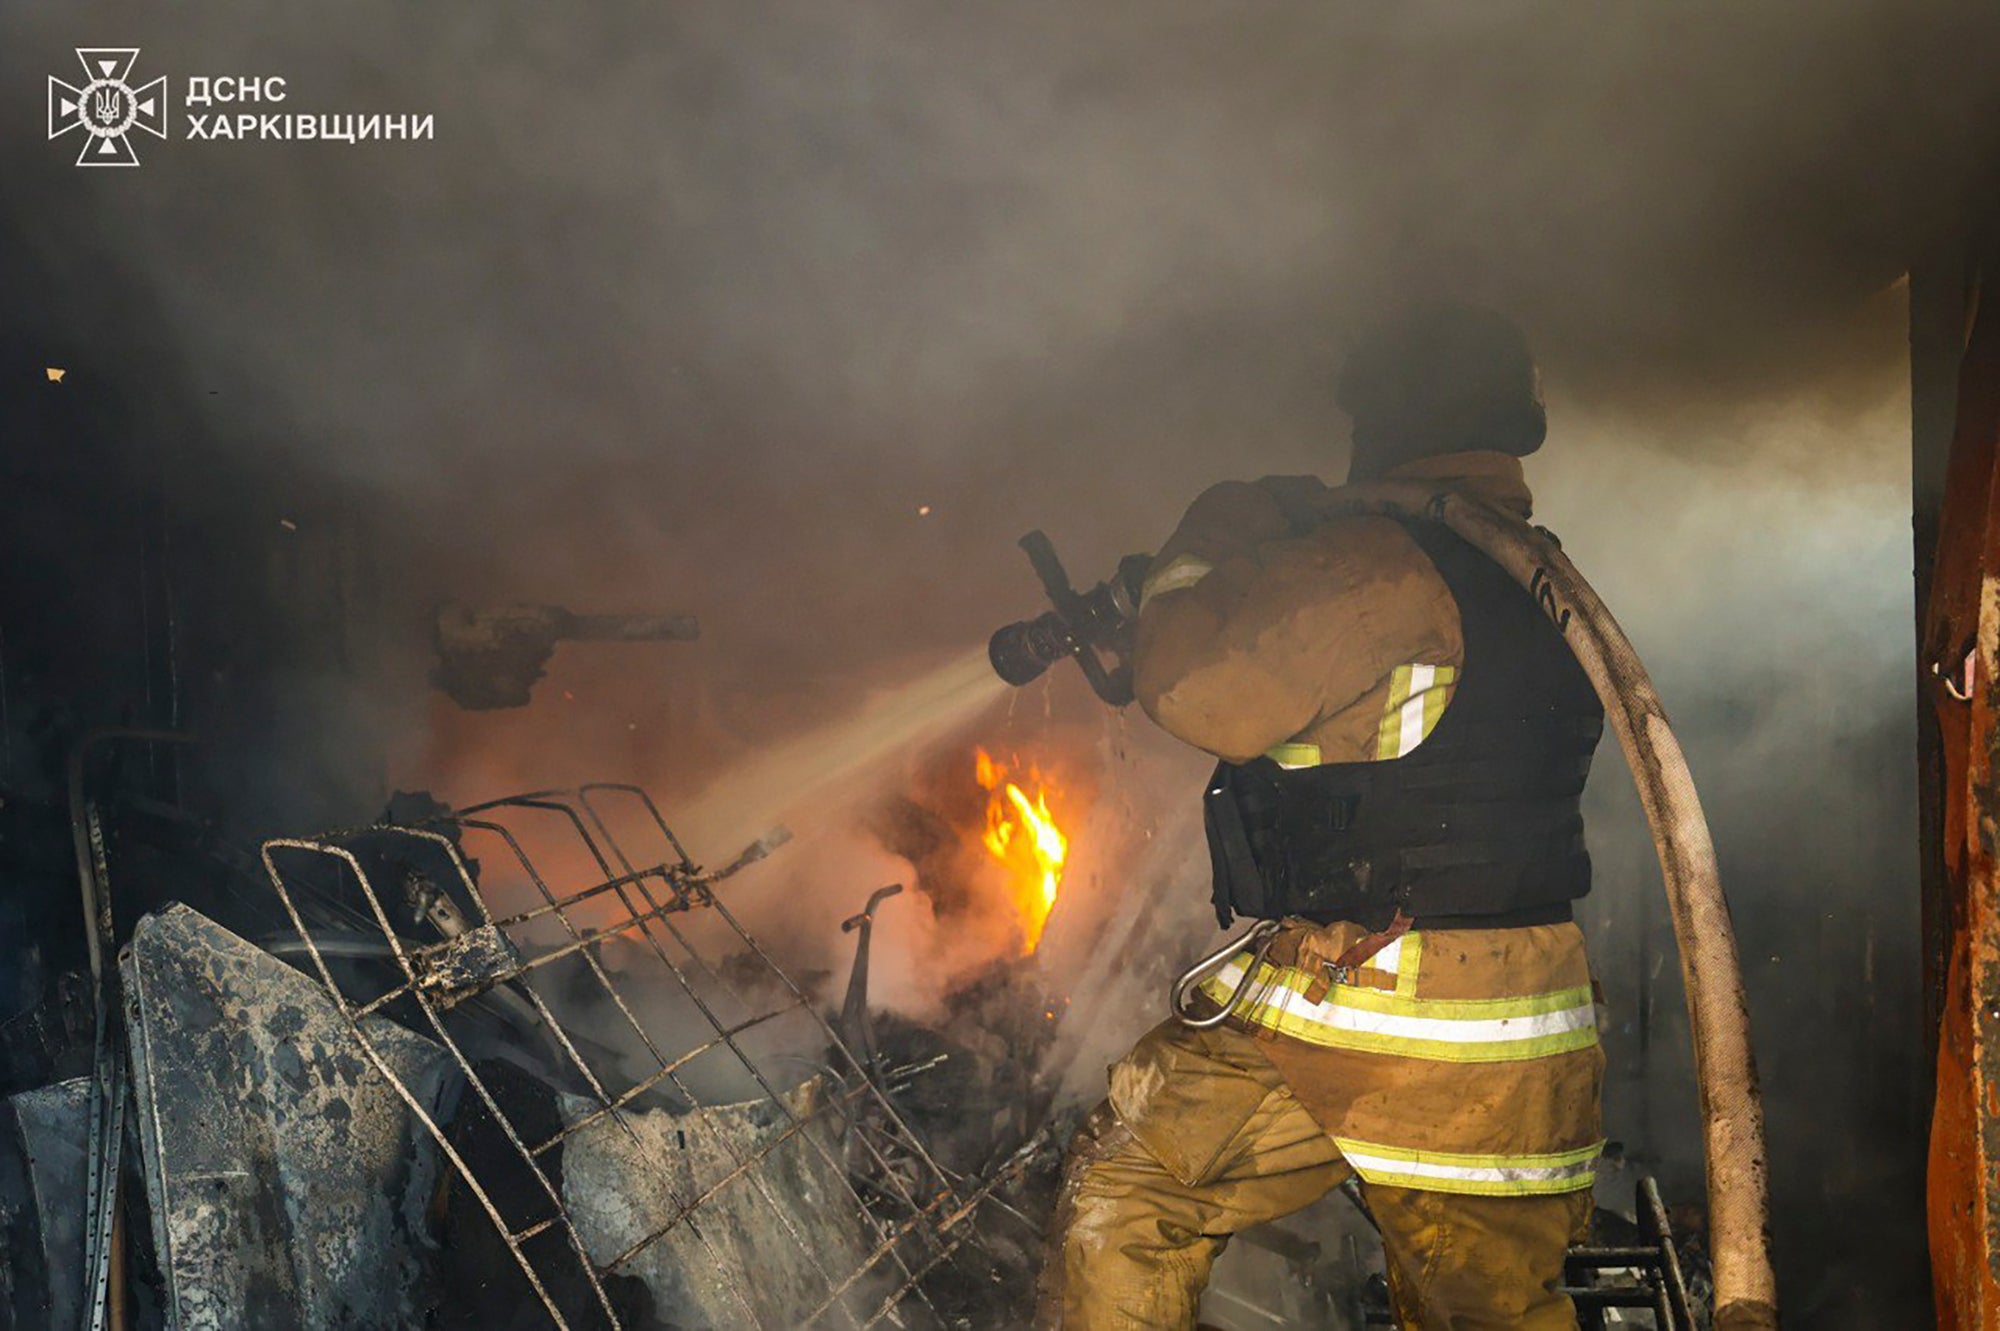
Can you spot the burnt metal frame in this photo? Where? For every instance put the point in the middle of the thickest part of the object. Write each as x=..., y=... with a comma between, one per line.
x=1652, y=1269
x=1657, y=1284
x=930, y=1228
x=104, y=1225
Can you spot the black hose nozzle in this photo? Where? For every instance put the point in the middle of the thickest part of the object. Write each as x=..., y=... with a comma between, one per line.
x=1022, y=652
x=1081, y=625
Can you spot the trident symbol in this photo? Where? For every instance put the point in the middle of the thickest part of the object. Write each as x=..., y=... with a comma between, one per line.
x=107, y=108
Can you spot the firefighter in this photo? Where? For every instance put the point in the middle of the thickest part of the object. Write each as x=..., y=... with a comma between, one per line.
x=1404, y=739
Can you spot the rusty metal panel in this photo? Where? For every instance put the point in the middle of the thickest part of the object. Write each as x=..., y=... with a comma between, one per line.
x=287, y=1181
x=1962, y=653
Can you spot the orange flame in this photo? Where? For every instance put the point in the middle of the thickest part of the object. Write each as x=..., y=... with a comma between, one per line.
x=1022, y=835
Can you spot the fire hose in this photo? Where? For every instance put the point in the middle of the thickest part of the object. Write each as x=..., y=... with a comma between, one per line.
x=1732, y=1107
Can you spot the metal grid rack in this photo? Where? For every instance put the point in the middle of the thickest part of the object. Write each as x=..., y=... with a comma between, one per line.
x=1644, y=1275
x=642, y=890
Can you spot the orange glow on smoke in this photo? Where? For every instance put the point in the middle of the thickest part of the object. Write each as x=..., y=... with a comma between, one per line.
x=1022, y=835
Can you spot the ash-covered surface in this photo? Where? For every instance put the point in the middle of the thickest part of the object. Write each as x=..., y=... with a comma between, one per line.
x=43, y=1142
x=287, y=1180
x=594, y=1177
x=737, y=1254
x=307, y=1164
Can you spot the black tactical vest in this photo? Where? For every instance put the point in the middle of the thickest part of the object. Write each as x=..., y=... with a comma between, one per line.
x=1479, y=826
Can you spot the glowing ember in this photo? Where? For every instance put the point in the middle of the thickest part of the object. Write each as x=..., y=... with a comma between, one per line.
x=1022, y=835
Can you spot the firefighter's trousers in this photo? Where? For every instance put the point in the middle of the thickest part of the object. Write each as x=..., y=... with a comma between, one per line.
x=1218, y=1144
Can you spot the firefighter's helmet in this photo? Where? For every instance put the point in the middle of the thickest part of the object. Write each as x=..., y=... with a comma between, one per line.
x=1441, y=377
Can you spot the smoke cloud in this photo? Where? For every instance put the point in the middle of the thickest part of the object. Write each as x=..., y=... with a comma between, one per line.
x=794, y=317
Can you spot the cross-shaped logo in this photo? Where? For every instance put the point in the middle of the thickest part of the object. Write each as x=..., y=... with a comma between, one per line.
x=107, y=108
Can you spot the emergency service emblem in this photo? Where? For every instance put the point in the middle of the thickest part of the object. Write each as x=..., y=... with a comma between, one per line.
x=107, y=108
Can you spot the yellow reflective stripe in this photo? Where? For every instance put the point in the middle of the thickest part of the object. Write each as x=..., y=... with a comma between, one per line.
x=1295, y=979
x=1361, y=1036
x=1524, y=1175
x=1410, y=730
x=1293, y=755
x=1581, y=1155
x=1329, y=1036
x=1496, y=1030
x=1389, y=736
x=1180, y=571
x=1409, y=956
x=1443, y=680
x=1418, y=695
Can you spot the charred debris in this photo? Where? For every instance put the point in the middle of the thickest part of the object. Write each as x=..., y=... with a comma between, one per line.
x=512, y=1065
x=520, y=1065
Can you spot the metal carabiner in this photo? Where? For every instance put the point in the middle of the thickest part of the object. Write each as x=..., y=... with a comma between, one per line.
x=1959, y=682
x=1258, y=938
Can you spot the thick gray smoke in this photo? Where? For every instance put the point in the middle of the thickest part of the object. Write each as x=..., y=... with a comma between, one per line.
x=703, y=303
x=795, y=316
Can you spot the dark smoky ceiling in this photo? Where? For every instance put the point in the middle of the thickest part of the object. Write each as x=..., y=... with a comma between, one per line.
x=697, y=306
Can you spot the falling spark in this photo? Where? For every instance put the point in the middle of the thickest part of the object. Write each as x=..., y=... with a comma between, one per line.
x=55, y=375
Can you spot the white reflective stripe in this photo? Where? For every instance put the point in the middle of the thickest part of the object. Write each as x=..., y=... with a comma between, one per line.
x=1334, y=1015
x=1441, y=1167
x=1412, y=720
x=1417, y=698
x=1180, y=571
x=1389, y=731
x=1484, y=1173
x=1389, y=958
